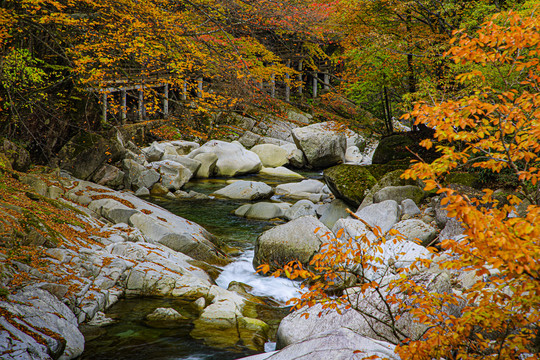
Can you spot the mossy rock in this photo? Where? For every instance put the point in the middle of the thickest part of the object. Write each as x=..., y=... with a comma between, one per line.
x=18, y=157
x=349, y=182
x=380, y=170
x=393, y=178
x=4, y=162
x=462, y=178
x=403, y=146
x=85, y=153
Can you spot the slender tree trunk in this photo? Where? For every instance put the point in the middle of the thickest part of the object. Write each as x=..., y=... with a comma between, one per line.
x=389, y=125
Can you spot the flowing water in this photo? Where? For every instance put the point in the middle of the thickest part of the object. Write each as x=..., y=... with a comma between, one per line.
x=131, y=338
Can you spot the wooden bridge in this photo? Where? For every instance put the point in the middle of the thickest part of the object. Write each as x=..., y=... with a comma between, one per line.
x=131, y=84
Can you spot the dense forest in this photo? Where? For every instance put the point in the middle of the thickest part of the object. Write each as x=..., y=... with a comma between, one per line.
x=463, y=75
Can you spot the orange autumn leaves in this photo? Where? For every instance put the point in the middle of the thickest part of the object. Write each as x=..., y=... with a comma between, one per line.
x=492, y=123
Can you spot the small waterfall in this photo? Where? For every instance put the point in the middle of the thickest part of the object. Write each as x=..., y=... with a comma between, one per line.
x=242, y=270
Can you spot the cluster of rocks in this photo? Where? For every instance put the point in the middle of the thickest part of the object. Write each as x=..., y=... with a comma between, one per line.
x=142, y=249
x=385, y=206
x=138, y=249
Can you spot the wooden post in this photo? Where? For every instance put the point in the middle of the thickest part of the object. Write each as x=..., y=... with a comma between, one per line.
x=141, y=103
x=300, y=77
x=166, y=101
x=326, y=85
x=314, y=84
x=287, y=83
x=123, y=105
x=104, y=107
x=200, y=87
x=184, y=91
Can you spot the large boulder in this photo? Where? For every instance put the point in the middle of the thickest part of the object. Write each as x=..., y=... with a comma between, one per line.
x=37, y=325
x=154, y=270
x=403, y=146
x=208, y=165
x=155, y=223
x=271, y=155
x=154, y=152
x=184, y=147
x=399, y=193
x=18, y=157
x=280, y=172
x=338, y=344
x=173, y=174
x=262, y=210
x=306, y=189
x=249, y=139
x=192, y=164
x=138, y=176
x=336, y=210
x=245, y=190
x=233, y=158
x=353, y=155
x=86, y=153
x=371, y=315
x=298, y=239
x=295, y=156
x=416, y=230
x=349, y=183
x=391, y=178
x=224, y=323
x=322, y=144
x=383, y=215
x=109, y=176
x=299, y=209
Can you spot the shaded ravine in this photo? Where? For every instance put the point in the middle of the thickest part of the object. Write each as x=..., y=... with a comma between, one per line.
x=131, y=338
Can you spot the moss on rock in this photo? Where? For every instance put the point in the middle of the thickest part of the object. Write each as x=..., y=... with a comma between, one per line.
x=349, y=182
x=380, y=170
x=404, y=146
x=462, y=178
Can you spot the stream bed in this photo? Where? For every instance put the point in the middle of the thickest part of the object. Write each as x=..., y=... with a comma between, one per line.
x=131, y=338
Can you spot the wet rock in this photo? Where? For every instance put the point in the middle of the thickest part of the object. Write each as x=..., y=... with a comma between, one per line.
x=165, y=314
x=223, y=324
x=233, y=158
x=245, y=190
x=295, y=240
x=261, y=211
